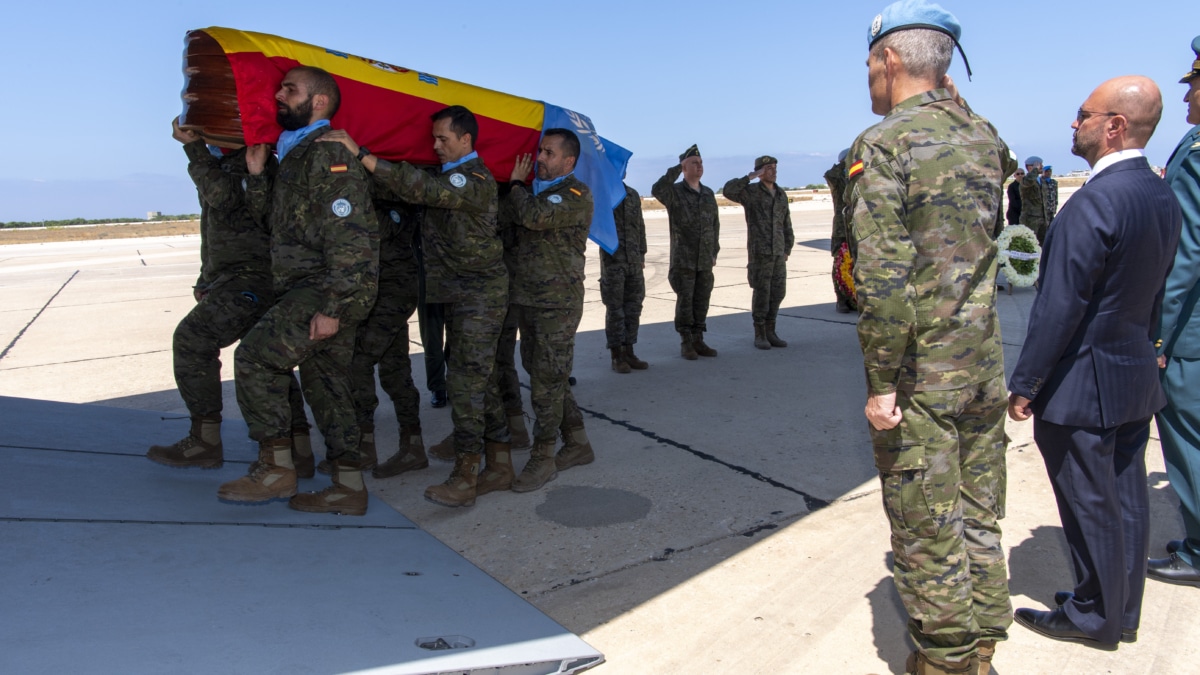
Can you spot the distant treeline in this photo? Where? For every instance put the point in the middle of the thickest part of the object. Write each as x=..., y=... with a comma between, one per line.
x=101, y=221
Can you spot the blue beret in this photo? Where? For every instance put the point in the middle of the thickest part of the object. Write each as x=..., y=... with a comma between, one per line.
x=1033, y=159
x=907, y=14
x=1195, y=72
x=842, y=155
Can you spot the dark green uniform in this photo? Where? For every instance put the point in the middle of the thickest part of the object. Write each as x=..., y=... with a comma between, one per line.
x=924, y=193
x=464, y=269
x=622, y=278
x=769, y=242
x=695, y=241
x=547, y=293
x=324, y=259
x=1033, y=205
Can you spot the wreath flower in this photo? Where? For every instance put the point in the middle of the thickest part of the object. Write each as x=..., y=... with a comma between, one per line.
x=1020, y=255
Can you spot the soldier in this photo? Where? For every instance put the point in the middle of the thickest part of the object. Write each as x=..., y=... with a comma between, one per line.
x=1033, y=199
x=547, y=293
x=464, y=269
x=1050, y=191
x=924, y=192
x=623, y=283
x=695, y=241
x=769, y=242
x=1013, y=214
x=841, y=244
x=232, y=292
x=324, y=260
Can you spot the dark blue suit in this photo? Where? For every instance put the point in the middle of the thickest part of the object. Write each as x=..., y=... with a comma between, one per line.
x=1089, y=367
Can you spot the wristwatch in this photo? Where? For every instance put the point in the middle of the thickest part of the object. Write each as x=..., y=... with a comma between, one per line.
x=362, y=152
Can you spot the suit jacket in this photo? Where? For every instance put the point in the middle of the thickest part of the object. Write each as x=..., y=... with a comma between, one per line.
x=1089, y=359
x=1179, y=328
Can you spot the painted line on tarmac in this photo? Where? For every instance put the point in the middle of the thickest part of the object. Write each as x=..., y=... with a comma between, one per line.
x=98, y=358
x=35, y=316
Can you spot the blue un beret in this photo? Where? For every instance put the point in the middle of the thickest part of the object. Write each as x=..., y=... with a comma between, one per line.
x=906, y=14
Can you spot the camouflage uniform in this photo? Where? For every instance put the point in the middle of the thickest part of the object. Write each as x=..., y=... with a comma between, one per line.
x=835, y=178
x=506, y=379
x=622, y=279
x=695, y=234
x=769, y=242
x=464, y=269
x=924, y=194
x=1050, y=190
x=547, y=293
x=383, y=337
x=1033, y=205
x=324, y=258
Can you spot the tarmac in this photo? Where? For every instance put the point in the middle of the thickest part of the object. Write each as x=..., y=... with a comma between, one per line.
x=731, y=522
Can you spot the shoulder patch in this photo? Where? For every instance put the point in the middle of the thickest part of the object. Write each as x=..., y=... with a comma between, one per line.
x=341, y=208
x=337, y=168
x=855, y=169
x=479, y=176
x=554, y=199
x=458, y=180
x=395, y=216
x=577, y=192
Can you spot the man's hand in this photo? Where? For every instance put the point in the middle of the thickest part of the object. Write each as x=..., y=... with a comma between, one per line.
x=882, y=412
x=183, y=135
x=522, y=168
x=256, y=158
x=340, y=136
x=1018, y=408
x=755, y=174
x=948, y=85
x=198, y=294
x=322, y=327
x=1162, y=361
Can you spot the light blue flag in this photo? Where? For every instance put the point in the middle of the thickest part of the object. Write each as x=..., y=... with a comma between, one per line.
x=601, y=167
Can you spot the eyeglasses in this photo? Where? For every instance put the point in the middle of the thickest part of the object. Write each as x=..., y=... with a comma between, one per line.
x=1082, y=115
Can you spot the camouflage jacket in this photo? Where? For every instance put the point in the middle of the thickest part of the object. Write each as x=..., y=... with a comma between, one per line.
x=631, y=231
x=1050, y=191
x=923, y=196
x=398, y=269
x=324, y=232
x=835, y=178
x=460, y=238
x=695, y=225
x=551, y=241
x=1033, y=202
x=233, y=242
x=768, y=217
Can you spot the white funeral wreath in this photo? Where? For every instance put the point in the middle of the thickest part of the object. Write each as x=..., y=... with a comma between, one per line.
x=1019, y=248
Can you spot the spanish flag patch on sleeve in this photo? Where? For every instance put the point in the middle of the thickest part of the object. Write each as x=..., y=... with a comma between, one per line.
x=855, y=169
x=337, y=168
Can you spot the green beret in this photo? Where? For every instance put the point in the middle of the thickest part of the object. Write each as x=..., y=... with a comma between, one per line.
x=690, y=152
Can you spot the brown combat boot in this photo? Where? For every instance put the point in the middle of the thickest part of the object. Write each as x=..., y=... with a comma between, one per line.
x=346, y=496
x=498, y=471
x=760, y=337
x=201, y=448
x=302, y=454
x=459, y=488
x=772, y=337
x=366, y=445
x=271, y=477
x=516, y=429
x=409, y=457
x=917, y=664
x=982, y=661
x=686, y=350
x=539, y=470
x=701, y=348
x=618, y=360
x=444, y=449
x=632, y=359
x=576, y=450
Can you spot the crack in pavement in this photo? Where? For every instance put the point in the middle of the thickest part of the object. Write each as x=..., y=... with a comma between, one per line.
x=35, y=316
x=98, y=358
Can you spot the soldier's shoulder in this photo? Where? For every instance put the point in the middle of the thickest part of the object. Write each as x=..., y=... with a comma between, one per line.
x=630, y=192
x=472, y=175
x=333, y=160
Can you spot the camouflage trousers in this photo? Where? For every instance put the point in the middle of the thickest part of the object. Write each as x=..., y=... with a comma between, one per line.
x=693, y=288
x=383, y=339
x=548, y=354
x=263, y=366
x=472, y=381
x=943, y=475
x=767, y=275
x=508, y=382
x=622, y=289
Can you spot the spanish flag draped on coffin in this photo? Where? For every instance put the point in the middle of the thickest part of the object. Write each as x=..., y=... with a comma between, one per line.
x=231, y=77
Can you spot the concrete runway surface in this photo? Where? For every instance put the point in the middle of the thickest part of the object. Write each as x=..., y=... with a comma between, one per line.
x=731, y=522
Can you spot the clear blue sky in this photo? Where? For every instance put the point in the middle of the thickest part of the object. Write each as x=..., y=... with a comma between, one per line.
x=92, y=86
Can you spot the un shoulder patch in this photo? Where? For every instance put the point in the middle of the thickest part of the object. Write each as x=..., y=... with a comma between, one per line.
x=395, y=215
x=458, y=180
x=244, y=188
x=342, y=208
x=554, y=199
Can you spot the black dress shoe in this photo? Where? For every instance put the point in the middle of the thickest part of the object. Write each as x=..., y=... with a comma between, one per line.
x=1056, y=625
x=1174, y=545
x=1127, y=634
x=1173, y=570
x=438, y=400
